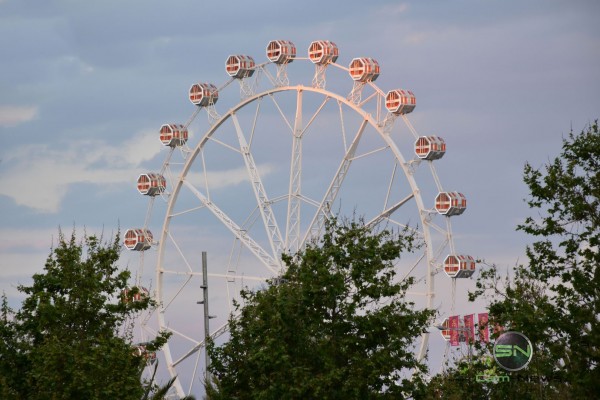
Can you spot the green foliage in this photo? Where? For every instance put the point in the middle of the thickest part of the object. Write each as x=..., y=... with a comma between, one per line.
x=466, y=380
x=334, y=326
x=154, y=392
x=478, y=376
x=555, y=299
x=71, y=338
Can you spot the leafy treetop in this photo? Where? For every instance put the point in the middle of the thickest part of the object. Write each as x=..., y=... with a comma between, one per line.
x=335, y=325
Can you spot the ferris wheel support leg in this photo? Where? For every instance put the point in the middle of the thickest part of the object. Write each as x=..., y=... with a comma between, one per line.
x=423, y=347
x=324, y=210
x=262, y=200
x=273, y=265
x=292, y=235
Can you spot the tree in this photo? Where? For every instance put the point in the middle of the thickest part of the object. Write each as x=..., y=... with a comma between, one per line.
x=154, y=392
x=555, y=299
x=71, y=339
x=335, y=325
x=473, y=377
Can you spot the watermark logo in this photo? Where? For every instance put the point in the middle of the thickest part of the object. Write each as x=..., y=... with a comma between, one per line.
x=513, y=351
x=491, y=378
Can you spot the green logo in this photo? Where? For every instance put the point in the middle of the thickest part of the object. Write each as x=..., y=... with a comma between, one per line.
x=513, y=351
x=491, y=378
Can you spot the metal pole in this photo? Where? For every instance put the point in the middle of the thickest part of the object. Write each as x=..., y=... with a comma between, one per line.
x=206, y=314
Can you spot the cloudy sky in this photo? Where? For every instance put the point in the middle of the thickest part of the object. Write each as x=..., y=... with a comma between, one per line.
x=85, y=87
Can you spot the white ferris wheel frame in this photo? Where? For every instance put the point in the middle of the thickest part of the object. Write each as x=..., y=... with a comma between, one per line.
x=382, y=122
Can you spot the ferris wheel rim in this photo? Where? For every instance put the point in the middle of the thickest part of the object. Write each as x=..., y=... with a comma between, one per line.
x=229, y=114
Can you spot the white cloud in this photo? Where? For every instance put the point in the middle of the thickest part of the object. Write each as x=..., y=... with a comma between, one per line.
x=38, y=177
x=416, y=38
x=13, y=115
x=71, y=64
x=392, y=9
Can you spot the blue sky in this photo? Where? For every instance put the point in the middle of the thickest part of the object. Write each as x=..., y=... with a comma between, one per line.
x=85, y=87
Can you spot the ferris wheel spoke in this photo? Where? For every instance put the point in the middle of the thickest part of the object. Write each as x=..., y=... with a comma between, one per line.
x=308, y=200
x=240, y=233
x=215, y=140
x=198, y=344
x=177, y=293
x=410, y=271
x=343, y=125
x=189, y=353
x=262, y=199
x=438, y=228
x=294, y=192
x=272, y=79
x=366, y=100
x=281, y=113
x=192, y=381
x=369, y=153
x=172, y=272
x=407, y=227
x=189, y=210
x=424, y=343
x=245, y=277
x=390, y=185
x=176, y=245
x=204, y=174
x=324, y=209
x=389, y=211
x=250, y=220
x=256, y=114
x=316, y=113
x=148, y=330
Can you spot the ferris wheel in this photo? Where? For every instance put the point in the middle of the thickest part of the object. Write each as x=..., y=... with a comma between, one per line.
x=273, y=162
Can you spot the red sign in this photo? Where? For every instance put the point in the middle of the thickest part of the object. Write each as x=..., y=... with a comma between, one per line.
x=484, y=332
x=454, y=325
x=469, y=328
